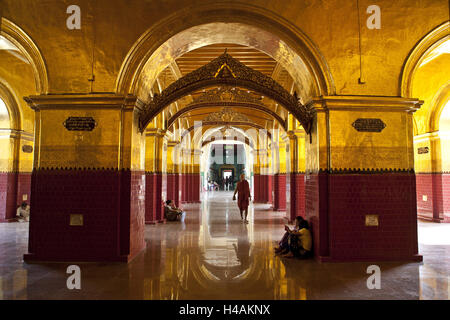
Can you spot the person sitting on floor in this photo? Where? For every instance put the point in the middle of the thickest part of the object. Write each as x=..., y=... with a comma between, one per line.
x=172, y=213
x=283, y=245
x=296, y=242
x=23, y=212
x=300, y=242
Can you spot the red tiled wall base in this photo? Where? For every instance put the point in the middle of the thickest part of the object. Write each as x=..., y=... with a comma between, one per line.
x=195, y=187
x=436, y=188
x=279, y=192
x=336, y=206
x=296, y=203
x=23, y=187
x=173, y=188
x=111, y=203
x=269, y=188
x=262, y=188
x=190, y=186
x=153, y=198
x=184, y=188
x=133, y=213
x=8, y=195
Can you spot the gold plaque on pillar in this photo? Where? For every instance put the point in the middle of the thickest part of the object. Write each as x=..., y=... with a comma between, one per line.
x=76, y=219
x=371, y=220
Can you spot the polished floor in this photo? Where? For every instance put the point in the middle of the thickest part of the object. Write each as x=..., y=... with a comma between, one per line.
x=213, y=255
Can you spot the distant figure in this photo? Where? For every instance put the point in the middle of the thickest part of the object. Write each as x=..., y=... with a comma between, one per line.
x=243, y=190
x=23, y=212
x=172, y=213
x=226, y=183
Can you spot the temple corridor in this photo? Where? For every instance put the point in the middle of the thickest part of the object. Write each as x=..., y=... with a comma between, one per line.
x=213, y=255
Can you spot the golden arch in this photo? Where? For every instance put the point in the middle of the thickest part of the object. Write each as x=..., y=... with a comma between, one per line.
x=433, y=39
x=194, y=106
x=240, y=13
x=12, y=105
x=229, y=123
x=244, y=140
x=439, y=103
x=28, y=48
x=225, y=70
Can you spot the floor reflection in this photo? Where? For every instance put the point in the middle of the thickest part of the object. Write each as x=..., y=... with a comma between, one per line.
x=213, y=255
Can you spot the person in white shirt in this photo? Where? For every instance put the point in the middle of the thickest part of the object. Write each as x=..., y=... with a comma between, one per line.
x=23, y=212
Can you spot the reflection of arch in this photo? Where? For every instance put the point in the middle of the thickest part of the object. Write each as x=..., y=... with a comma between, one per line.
x=261, y=18
x=12, y=104
x=438, y=105
x=420, y=51
x=225, y=70
x=247, y=105
x=28, y=48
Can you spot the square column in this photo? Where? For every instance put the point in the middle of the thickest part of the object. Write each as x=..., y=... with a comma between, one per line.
x=360, y=184
x=88, y=184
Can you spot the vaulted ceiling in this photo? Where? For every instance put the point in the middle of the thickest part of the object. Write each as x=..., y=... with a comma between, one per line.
x=251, y=57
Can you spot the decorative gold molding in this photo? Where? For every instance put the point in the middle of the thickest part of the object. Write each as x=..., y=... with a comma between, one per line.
x=227, y=114
x=220, y=11
x=239, y=74
x=367, y=103
x=87, y=101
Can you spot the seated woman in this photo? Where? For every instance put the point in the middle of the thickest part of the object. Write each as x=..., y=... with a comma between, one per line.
x=283, y=245
x=300, y=242
x=296, y=242
x=171, y=212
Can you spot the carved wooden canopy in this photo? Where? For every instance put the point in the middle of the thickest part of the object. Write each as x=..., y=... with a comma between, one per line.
x=225, y=70
x=226, y=96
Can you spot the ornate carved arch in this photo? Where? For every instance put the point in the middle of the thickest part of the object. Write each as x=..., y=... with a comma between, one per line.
x=225, y=70
x=230, y=123
x=245, y=140
x=227, y=97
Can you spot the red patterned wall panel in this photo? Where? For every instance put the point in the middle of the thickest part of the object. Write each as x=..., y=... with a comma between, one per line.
x=433, y=196
x=112, y=227
x=279, y=192
x=150, y=214
x=337, y=205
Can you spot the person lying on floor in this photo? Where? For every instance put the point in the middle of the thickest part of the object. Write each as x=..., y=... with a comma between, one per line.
x=296, y=242
x=172, y=213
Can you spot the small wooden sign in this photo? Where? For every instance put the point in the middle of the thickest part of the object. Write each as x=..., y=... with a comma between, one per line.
x=76, y=219
x=422, y=150
x=368, y=125
x=80, y=124
x=371, y=220
x=27, y=149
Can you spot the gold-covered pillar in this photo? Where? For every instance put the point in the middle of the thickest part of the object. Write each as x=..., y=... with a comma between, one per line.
x=359, y=181
x=88, y=185
x=154, y=148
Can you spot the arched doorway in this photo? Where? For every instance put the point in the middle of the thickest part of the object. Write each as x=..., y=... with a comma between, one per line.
x=425, y=78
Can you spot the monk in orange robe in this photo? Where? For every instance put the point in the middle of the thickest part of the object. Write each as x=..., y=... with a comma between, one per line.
x=244, y=197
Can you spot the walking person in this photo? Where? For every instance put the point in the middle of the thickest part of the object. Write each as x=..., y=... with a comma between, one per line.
x=244, y=197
